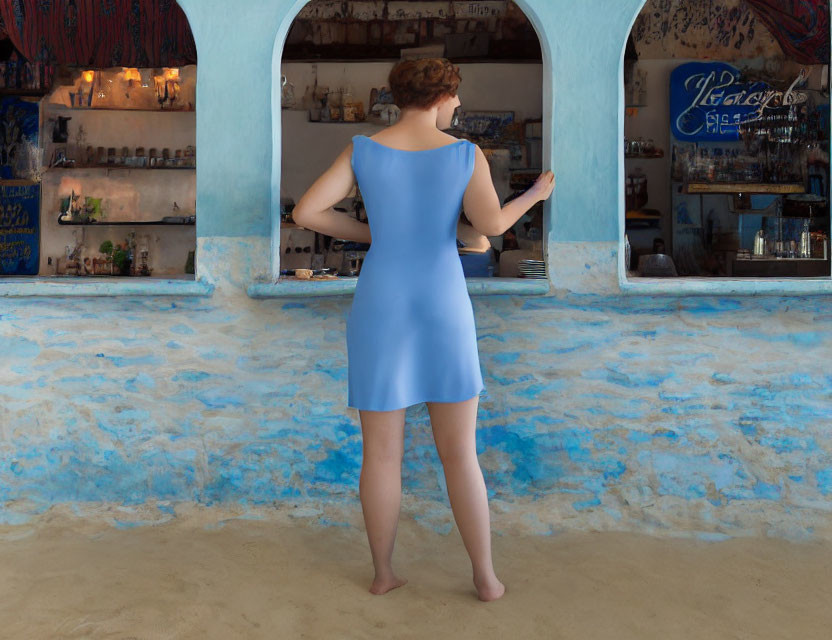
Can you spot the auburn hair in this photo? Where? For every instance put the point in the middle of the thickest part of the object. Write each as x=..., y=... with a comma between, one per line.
x=422, y=82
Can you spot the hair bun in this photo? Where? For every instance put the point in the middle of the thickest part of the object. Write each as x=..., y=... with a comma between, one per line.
x=421, y=82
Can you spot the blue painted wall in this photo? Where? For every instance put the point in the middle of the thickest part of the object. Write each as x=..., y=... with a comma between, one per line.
x=702, y=414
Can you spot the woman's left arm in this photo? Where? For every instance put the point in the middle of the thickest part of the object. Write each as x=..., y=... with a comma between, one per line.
x=315, y=210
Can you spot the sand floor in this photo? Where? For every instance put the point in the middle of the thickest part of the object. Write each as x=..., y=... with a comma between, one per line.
x=63, y=577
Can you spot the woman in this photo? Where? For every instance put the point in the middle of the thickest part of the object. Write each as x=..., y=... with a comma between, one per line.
x=410, y=333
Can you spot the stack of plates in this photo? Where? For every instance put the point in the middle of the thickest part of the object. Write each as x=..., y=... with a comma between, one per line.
x=532, y=268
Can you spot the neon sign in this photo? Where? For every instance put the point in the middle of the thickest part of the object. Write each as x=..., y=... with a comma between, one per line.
x=708, y=102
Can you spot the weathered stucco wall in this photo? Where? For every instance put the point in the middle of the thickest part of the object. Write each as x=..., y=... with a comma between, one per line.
x=702, y=414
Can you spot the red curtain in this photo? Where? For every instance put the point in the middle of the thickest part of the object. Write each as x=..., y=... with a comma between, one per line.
x=100, y=33
x=800, y=26
x=155, y=33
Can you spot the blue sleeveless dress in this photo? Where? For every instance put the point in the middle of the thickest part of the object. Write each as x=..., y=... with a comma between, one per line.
x=411, y=335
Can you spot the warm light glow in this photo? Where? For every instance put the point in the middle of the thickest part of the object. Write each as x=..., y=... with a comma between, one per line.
x=132, y=74
x=88, y=76
x=167, y=85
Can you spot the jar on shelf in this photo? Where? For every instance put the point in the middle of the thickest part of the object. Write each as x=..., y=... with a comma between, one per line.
x=637, y=187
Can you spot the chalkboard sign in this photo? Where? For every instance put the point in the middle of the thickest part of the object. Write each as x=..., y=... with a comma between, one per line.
x=19, y=227
x=18, y=125
x=708, y=101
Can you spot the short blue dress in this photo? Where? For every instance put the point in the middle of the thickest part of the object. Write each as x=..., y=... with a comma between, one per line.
x=411, y=335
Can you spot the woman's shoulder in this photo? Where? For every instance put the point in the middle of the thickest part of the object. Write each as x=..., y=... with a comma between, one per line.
x=395, y=141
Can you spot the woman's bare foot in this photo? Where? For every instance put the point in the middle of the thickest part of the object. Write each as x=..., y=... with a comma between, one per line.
x=381, y=586
x=490, y=590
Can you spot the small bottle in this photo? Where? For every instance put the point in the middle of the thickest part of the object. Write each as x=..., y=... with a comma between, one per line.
x=627, y=253
x=805, y=250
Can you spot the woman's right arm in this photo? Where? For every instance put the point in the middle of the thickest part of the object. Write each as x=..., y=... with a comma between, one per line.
x=316, y=208
x=482, y=204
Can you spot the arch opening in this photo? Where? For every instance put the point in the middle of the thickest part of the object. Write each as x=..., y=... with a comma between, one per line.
x=103, y=151
x=725, y=155
x=361, y=49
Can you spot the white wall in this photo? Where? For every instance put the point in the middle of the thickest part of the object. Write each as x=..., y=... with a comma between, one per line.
x=135, y=194
x=310, y=147
x=653, y=121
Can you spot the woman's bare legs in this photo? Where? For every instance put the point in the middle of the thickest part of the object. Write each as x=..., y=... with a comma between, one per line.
x=380, y=487
x=454, y=431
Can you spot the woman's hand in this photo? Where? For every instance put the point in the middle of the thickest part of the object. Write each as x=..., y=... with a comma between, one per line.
x=543, y=186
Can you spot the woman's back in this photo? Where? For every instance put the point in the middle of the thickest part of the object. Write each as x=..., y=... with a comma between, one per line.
x=410, y=332
x=413, y=198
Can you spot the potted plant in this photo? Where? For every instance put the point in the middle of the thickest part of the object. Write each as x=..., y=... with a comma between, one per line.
x=104, y=266
x=121, y=259
x=118, y=256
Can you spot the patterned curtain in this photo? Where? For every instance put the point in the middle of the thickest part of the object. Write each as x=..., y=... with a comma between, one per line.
x=800, y=26
x=100, y=33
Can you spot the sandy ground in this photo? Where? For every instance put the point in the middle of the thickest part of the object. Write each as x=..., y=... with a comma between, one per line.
x=64, y=577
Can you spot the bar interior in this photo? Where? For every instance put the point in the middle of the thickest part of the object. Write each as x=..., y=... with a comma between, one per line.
x=334, y=69
x=98, y=144
x=727, y=140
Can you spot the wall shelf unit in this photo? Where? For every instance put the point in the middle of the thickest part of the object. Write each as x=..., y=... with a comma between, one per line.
x=120, y=167
x=127, y=223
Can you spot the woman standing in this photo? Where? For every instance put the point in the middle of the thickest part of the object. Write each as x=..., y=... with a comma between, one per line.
x=411, y=335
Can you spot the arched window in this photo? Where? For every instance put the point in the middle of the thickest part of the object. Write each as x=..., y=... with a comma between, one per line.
x=327, y=53
x=99, y=160
x=727, y=141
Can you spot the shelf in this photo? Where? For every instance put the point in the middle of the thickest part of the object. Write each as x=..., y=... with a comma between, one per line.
x=741, y=187
x=640, y=219
x=643, y=214
x=72, y=286
x=120, y=167
x=726, y=286
x=287, y=287
x=776, y=259
x=127, y=223
x=62, y=107
x=764, y=212
x=642, y=225
x=655, y=156
x=28, y=93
